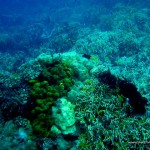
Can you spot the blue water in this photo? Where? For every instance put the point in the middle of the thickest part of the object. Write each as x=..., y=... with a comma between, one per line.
x=18, y=18
x=89, y=36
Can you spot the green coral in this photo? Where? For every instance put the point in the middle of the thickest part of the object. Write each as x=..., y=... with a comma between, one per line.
x=54, y=82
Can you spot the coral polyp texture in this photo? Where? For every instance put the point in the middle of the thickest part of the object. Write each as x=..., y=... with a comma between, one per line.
x=54, y=81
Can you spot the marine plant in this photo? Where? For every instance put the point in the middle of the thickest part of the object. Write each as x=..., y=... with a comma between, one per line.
x=53, y=82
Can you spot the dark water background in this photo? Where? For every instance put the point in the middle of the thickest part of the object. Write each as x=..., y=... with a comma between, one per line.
x=30, y=22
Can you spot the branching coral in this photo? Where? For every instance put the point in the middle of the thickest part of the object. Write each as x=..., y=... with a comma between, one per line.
x=103, y=120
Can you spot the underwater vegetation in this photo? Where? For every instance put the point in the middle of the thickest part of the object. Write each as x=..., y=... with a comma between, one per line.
x=53, y=82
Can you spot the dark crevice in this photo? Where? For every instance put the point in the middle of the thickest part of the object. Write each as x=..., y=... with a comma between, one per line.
x=126, y=89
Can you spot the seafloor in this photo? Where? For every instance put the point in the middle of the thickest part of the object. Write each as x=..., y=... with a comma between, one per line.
x=76, y=77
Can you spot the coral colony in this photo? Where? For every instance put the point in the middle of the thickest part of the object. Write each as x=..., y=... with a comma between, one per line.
x=74, y=75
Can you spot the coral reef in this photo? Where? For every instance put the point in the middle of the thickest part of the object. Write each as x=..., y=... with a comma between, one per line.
x=63, y=37
x=74, y=75
x=64, y=117
x=126, y=89
x=53, y=82
x=13, y=138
